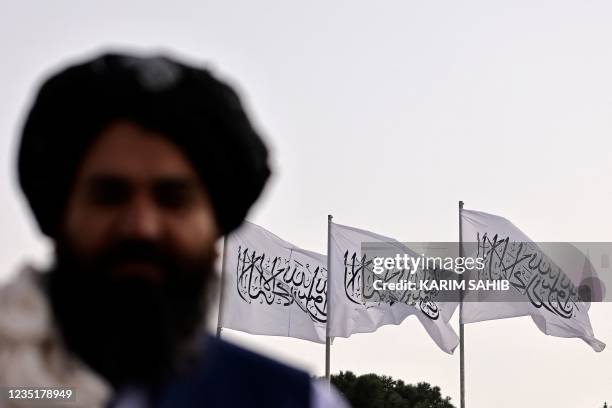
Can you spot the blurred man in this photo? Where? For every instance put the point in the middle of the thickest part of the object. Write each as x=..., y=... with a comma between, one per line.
x=135, y=167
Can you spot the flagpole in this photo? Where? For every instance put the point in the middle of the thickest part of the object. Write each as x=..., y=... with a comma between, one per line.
x=461, y=332
x=327, y=337
x=222, y=288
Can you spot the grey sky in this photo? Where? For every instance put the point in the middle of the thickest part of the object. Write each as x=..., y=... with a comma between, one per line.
x=384, y=114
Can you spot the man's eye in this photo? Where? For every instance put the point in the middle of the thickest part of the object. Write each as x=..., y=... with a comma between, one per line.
x=174, y=196
x=108, y=194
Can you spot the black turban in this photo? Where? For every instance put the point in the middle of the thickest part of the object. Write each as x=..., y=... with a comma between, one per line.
x=200, y=114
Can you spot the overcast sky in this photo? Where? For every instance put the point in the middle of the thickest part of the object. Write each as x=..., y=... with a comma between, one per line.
x=383, y=114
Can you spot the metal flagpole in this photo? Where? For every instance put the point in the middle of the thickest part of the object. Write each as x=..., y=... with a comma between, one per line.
x=461, y=332
x=327, y=337
x=221, y=290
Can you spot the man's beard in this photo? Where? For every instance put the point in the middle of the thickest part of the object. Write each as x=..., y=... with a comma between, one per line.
x=127, y=328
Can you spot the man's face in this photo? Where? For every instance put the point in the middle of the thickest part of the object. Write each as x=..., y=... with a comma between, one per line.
x=135, y=256
x=134, y=184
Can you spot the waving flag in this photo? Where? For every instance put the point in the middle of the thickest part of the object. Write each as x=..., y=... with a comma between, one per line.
x=537, y=286
x=273, y=287
x=355, y=307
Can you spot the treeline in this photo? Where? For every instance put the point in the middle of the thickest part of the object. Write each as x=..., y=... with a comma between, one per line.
x=381, y=391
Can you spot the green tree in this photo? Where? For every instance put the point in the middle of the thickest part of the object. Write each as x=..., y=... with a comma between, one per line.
x=381, y=391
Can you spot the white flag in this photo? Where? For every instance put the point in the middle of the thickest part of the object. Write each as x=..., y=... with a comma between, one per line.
x=352, y=310
x=272, y=287
x=537, y=286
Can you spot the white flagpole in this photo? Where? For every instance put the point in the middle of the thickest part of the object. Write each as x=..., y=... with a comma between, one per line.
x=222, y=288
x=461, y=332
x=327, y=337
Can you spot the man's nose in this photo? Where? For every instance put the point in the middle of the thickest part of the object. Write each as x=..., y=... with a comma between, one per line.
x=140, y=219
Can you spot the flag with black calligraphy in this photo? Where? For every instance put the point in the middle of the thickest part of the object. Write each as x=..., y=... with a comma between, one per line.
x=539, y=285
x=272, y=287
x=356, y=307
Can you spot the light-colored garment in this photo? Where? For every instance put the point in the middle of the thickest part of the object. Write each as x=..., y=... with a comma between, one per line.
x=324, y=396
x=32, y=352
